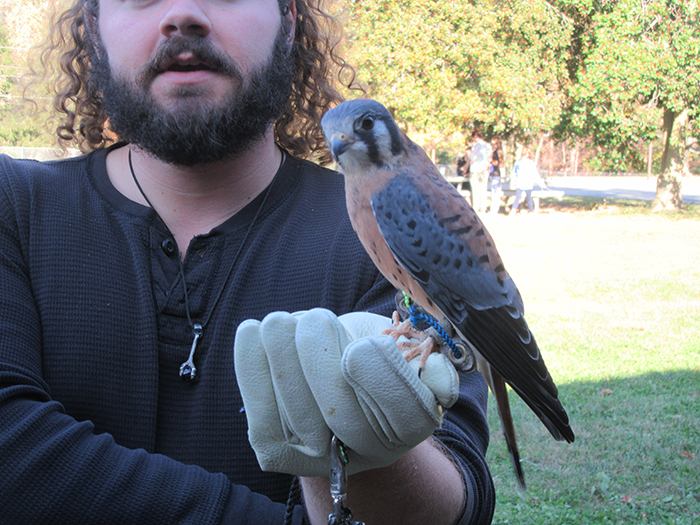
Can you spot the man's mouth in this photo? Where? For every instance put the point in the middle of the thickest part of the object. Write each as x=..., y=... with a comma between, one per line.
x=186, y=57
x=187, y=66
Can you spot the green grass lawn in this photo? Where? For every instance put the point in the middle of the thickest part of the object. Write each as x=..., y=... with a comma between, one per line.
x=612, y=293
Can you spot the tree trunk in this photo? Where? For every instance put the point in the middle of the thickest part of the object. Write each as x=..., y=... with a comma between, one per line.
x=563, y=158
x=668, y=184
x=690, y=144
x=513, y=148
x=539, y=149
x=551, y=157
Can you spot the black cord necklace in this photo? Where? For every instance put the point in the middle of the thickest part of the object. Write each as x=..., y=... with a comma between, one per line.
x=188, y=371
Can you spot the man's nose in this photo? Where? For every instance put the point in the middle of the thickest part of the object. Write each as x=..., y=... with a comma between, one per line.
x=185, y=18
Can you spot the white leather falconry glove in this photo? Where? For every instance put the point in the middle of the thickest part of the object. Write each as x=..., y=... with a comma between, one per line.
x=308, y=375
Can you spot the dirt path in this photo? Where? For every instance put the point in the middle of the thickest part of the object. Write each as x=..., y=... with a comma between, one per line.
x=621, y=187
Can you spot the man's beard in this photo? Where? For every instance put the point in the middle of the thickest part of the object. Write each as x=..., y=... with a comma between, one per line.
x=196, y=131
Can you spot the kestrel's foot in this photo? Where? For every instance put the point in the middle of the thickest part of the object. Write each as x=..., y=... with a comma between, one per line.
x=411, y=349
x=400, y=328
x=422, y=349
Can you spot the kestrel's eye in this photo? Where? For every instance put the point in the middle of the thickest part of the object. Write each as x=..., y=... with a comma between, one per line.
x=367, y=123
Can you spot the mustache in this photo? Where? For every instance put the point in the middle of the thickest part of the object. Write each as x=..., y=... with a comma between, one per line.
x=202, y=50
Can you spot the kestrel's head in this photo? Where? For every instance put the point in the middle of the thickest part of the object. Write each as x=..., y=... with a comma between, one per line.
x=362, y=134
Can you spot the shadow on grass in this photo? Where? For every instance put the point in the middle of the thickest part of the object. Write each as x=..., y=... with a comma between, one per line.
x=636, y=458
x=573, y=204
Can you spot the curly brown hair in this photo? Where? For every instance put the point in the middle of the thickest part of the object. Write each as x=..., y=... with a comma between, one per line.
x=319, y=69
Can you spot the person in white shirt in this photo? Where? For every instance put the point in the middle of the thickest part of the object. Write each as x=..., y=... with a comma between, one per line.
x=525, y=178
x=480, y=158
x=495, y=174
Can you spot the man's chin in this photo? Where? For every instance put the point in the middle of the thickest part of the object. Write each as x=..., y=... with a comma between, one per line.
x=190, y=99
x=201, y=122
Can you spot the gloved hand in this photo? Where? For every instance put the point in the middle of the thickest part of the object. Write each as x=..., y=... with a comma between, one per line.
x=308, y=375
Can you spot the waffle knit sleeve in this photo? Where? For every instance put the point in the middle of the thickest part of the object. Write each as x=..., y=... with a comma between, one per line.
x=55, y=469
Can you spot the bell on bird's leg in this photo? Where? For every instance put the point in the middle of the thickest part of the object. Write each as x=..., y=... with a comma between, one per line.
x=456, y=349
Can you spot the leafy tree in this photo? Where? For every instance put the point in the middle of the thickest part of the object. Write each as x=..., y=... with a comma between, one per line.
x=22, y=25
x=445, y=65
x=610, y=93
x=634, y=71
x=5, y=82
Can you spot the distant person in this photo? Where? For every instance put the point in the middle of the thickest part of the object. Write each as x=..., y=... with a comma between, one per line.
x=525, y=177
x=480, y=158
x=463, y=165
x=495, y=174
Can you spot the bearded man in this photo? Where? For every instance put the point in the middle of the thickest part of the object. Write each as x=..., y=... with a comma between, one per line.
x=127, y=271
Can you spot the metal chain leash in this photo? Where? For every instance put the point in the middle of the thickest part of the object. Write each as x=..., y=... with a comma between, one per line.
x=341, y=514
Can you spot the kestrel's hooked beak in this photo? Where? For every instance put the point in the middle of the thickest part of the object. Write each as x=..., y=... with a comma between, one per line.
x=339, y=145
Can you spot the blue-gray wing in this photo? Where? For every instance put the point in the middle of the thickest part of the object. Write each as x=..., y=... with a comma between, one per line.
x=445, y=254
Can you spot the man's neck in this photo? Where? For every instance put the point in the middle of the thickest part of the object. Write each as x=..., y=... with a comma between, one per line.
x=193, y=200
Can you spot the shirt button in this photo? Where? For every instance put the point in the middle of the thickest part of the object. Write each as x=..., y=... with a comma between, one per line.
x=168, y=247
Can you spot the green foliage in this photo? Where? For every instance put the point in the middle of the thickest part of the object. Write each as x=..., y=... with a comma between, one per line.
x=5, y=83
x=21, y=123
x=21, y=126
x=443, y=66
x=604, y=69
x=18, y=136
x=634, y=60
x=620, y=157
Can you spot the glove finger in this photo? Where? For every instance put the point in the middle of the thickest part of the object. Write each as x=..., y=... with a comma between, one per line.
x=361, y=324
x=302, y=422
x=440, y=376
x=321, y=339
x=404, y=412
x=265, y=431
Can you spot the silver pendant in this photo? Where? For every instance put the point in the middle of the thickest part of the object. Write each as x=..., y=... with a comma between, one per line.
x=188, y=372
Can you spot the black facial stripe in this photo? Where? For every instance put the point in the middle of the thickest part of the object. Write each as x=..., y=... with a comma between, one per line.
x=370, y=140
x=396, y=144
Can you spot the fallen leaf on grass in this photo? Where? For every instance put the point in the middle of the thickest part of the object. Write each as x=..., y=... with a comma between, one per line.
x=605, y=392
x=688, y=455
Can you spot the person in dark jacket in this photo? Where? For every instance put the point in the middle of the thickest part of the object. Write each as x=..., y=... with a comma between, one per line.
x=495, y=174
x=127, y=271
